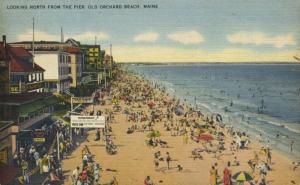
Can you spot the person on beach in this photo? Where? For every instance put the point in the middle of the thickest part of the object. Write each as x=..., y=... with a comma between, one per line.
x=227, y=175
x=97, y=135
x=96, y=173
x=185, y=138
x=148, y=181
x=168, y=159
x=292, y=144
x=269, y=156
x=213, y=176
x=263, y=182
x=156, y=162
x=75, y=175
x=236, y=162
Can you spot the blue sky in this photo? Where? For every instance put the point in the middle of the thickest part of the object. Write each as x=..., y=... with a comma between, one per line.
x=178, y=31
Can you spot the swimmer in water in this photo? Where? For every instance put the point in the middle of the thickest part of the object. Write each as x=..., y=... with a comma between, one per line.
x=292, y=144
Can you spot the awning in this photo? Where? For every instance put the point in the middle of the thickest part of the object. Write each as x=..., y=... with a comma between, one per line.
x=31, y=107
x=52, y=100
x=7, y=174
x=28, y=108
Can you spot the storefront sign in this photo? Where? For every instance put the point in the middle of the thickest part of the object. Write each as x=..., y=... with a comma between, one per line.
x=87, y=121
x=82, y=100
x=39, y=136
x=34, y=86
x=14, y=88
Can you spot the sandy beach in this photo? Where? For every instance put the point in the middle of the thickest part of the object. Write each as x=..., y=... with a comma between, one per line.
x=134, y=160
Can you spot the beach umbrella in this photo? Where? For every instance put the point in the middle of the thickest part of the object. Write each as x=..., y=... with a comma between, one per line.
x=242, y=176
x=154, y=134
x=263, y=151
x=115, y=101
x=151, y=104
x=205, y=137
x=139, y=98
x=179, y=111
x=244, y=138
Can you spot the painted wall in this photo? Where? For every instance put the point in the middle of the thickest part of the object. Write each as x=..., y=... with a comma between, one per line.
x=48, y=61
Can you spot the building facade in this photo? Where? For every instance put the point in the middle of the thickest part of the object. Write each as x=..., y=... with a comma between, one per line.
x=92, y=60
x=25, y=76
x=75, y=65
x=20, y=114
x=56, y=64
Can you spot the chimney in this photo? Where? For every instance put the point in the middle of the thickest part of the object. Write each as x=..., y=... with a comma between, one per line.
x=4, y=45
x=4, y=40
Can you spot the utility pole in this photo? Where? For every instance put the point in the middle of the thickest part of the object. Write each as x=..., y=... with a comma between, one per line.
x=33, y=42
x=111, y=60
x=71, y=133
x=61, y=35
x=95, y=40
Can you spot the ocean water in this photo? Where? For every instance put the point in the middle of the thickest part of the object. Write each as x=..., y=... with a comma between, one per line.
x=256, y=98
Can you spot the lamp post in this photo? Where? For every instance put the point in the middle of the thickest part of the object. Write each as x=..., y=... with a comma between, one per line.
x=71, y=133
x=57, y=137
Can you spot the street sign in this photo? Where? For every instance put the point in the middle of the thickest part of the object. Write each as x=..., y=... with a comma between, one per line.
x=82, y=100
x=87, y=121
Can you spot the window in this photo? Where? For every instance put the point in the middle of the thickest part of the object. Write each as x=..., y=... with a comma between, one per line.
x=29, y=78
x=37, y=77
x=25, y=78
x=33, y=77
x=70, y=71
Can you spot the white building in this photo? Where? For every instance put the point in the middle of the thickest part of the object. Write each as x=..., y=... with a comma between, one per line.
x=56, y=65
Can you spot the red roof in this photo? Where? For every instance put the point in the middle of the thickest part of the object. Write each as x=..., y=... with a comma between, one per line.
x=72, y=50
x=20, y=52
x=16, y=65
x=17, y=58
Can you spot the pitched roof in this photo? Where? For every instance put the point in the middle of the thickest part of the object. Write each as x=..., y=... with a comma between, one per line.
x=20, y=52
x=17, y=65
x=16, y=56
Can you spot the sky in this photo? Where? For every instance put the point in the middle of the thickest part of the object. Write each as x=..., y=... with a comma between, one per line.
x=175, y=31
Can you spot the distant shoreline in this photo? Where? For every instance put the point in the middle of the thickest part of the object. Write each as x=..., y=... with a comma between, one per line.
x=189, y=63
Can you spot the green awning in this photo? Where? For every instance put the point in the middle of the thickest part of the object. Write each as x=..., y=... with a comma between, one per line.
x=52, y=100
x=28, y=108
x=31, y=107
